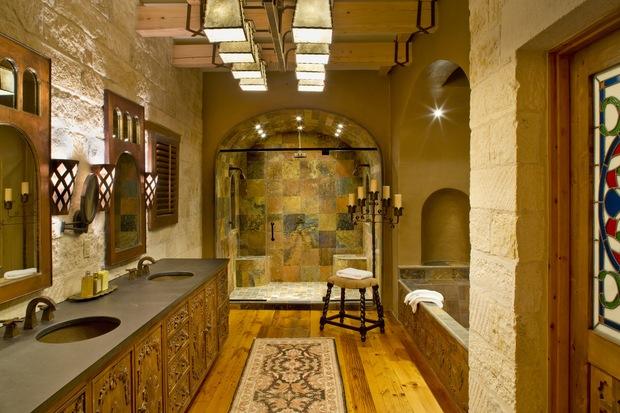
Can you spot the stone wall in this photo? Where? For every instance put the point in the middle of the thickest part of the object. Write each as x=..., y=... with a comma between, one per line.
x=93, y=46
x=508, y=343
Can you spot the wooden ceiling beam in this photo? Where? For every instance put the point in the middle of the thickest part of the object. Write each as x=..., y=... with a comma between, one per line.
x=350, y=56
x=350, y=17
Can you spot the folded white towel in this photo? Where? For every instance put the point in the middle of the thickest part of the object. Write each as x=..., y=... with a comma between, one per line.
x=12, y=275
x=427, y=296
x=354, y=273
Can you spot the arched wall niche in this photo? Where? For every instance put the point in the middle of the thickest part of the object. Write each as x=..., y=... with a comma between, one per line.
x=445, y=228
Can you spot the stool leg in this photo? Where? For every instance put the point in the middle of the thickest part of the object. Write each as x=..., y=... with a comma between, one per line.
x=342, y=292
x=326, y=305
x=363, y=313
x=377, y=299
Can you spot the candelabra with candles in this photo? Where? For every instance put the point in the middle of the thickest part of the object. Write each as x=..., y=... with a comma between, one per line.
x=372, y=210
x=8, y=196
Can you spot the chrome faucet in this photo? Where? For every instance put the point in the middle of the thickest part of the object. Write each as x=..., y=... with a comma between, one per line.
x=31, y=311
x=144, y=269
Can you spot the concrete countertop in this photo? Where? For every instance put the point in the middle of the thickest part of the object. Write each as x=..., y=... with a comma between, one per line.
x=35, y=375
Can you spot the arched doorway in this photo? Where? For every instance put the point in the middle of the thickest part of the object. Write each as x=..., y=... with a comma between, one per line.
x=291, y=230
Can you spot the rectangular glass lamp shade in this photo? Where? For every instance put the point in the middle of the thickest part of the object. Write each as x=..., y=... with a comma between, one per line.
x=312, y=53
x=239, y=52
x=310, y=72
x=224, y=21
x=253, y=85
x=311, y=86
x=312, y=22
x=248, y=70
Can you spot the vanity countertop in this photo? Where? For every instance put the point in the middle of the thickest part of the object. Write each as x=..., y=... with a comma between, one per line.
x=36, y=375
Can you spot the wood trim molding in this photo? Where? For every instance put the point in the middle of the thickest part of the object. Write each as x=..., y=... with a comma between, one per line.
x=559, y=298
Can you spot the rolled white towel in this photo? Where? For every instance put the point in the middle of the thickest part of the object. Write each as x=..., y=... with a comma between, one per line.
x=354, y=273
x=12, y=275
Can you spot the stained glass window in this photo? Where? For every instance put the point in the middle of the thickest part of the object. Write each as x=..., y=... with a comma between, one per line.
x=606, y=288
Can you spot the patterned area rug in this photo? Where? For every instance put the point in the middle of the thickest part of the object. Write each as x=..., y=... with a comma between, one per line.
x=291, y=375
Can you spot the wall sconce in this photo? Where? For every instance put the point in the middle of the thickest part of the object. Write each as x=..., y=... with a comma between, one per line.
x=62, y=177
x=312, y=22
x=150, y=187
x=105, y=178
x=224, y=21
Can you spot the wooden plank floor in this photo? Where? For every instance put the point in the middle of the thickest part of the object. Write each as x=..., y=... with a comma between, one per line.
x=379, y=375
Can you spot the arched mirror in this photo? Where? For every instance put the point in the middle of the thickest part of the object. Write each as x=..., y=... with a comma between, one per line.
x=136, y=130
x=25, y=230
x=128, y=128
x=19, y=219
x=31, y=92
x=128, y=204
x=8, y=83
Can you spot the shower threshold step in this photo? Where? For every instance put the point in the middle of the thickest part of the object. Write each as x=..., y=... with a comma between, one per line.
x=291, y=293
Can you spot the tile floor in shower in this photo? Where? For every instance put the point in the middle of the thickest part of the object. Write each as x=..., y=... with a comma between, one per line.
x=294, y=292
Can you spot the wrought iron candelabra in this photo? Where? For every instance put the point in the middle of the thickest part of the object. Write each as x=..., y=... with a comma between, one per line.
x=370, y=209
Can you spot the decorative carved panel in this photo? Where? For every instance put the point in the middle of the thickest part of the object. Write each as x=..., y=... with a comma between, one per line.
x=112, y=388
x=211, y=323
x=197, y=333
x=177, y=367
x=149, y=374
x=177, y=319
x=76, y=404
x=179, y=398
x=178, y=341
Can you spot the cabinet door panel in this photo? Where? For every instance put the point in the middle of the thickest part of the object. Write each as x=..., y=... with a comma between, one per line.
x=149, y=374
x=77, y=404
x=197, y=333
x=112, y=388
x=211, y=323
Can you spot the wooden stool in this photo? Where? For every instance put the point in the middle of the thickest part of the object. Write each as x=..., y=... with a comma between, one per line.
x=361, y=285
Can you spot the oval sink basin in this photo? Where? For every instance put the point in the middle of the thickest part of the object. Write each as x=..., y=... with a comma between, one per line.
x=78, y=329
x=170, y=276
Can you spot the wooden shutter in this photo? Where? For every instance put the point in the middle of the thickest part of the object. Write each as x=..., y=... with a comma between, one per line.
x=164, y=146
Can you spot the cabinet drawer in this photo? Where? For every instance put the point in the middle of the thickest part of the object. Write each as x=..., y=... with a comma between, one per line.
x=177, y=367
x=179, y=397
x=177, y=319
x=178, y=340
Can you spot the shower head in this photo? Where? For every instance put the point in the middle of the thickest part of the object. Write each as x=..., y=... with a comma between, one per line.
x=235, y=168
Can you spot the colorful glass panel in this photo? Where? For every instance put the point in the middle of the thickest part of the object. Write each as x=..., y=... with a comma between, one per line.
x=606, y=280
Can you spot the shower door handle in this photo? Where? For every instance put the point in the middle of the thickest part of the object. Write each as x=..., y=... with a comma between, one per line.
x=273, y=238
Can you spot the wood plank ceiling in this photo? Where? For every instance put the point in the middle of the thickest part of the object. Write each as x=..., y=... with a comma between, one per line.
x=368, y=34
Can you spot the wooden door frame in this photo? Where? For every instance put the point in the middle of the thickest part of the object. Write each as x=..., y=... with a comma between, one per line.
x=559, y=218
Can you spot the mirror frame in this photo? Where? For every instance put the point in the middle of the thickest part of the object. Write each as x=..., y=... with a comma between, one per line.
x=36, y=128
x=114, y=148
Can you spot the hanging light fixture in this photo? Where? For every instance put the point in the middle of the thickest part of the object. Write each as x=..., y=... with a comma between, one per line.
x=312, y=53
x=312, y=21
x=249, y=70
x=224, y=21
x=311, y=86
x=253, y=85
x=240, y=52
x=310, y=72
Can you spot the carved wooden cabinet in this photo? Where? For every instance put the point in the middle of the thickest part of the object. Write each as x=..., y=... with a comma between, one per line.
x=148, y=373
x=604, y=392
x=112, y=390
x=162, y=370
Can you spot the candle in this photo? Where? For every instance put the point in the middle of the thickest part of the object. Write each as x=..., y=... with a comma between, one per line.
x=398, y=201
x=8, y=195
x=360, y=192
x=351, y=199
x=25, y=188
x=373, y=185
x=386, y=192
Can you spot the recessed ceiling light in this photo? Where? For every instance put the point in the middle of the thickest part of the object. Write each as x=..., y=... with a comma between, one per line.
x=300, y=127
x=298, y=118
x=438, y=113
x=258, y=126
x=340, y=126
x=263, y=135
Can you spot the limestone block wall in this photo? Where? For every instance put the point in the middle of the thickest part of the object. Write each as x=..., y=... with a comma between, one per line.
x=508, y=342
x=93, y=46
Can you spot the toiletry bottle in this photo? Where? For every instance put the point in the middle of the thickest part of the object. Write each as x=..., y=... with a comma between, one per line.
x=96, y=283
x=105, y=279
x=87, y=285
